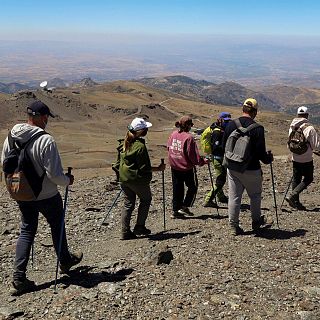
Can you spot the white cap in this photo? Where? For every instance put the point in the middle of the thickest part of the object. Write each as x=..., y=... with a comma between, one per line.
x=139, y=124
x=302, y=110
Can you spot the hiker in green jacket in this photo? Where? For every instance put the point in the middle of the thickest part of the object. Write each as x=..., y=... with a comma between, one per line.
x=211, y=145
x=135, y=174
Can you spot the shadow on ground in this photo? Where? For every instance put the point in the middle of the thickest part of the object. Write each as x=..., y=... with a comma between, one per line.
x=165, y=235
x=82, y=278
x=280, y=234
x=208, y=216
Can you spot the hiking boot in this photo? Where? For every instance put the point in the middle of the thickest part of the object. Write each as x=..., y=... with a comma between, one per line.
x=20, y=287
x=236, y=231
x=292, y=202
x=177, y=215
x=263, y=221
x=185, y=211
x=75, y=259
x=300, y=206
x=128, y=235
x=210, y=204
x=141, y=230
x=223, y=199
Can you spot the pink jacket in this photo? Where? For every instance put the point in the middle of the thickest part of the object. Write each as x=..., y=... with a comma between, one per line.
x=310, y=134
x=183, y=152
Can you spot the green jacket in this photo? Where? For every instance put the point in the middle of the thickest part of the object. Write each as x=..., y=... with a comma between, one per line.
x=135, y=164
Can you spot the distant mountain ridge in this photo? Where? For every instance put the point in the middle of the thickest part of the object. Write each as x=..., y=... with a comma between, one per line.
x=275, y=98
x=12, y=87
x=226, y=93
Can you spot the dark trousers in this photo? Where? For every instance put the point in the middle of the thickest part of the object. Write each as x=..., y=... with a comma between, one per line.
x=179, y=179
x=301, y=170
x=52, y=209
x=131, y=191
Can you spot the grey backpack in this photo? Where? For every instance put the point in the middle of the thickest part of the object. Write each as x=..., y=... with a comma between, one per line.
x=238, y=147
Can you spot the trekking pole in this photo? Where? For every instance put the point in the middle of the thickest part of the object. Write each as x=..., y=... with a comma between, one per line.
x=290, y=182
x=61, y=231
x=111, y=206
x=274, y=193
x=163, y=199
x=212, y=185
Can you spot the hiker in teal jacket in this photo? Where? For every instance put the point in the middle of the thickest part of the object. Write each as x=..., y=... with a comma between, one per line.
x=135, y=174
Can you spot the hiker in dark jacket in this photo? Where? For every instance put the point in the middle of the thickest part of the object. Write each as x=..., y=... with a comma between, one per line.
x=302, y=164
x=211, y=144
x=251, y=178
x=46, y=160
x=135, y=174
x=183, y=156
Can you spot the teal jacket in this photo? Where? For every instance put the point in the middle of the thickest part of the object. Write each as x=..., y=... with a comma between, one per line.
x=135, y=164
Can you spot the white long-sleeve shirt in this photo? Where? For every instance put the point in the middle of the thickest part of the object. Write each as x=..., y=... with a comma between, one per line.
x=46, y=158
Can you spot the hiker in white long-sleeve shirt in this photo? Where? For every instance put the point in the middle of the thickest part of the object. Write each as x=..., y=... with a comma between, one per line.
x=45, y=159
x=302, y=164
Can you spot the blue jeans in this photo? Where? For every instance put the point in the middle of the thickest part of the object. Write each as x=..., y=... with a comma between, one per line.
x=52, y=210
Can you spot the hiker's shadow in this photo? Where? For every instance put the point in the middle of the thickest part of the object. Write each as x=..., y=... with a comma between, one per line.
x=208, y=216
x=279, y=234
x=165, y=235
x=313, y=210
x=82, y=277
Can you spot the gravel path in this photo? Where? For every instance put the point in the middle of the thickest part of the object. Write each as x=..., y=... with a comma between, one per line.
x=212, y=275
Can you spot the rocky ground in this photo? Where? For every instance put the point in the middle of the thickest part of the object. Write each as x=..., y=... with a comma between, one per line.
x=212, y=275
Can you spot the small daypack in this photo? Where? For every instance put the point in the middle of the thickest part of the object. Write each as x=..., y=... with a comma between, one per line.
x=297, y=142
x=22, y=180
x=238, y=151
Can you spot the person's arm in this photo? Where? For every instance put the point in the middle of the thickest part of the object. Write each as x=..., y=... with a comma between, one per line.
x=5, y=150
x=52, y=165
x=192, y=152
x=314, y=139
x=260, y=147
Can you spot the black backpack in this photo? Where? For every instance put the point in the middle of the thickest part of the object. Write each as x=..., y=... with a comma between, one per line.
x=22, y=180
x=238, y=153
x=297, y=142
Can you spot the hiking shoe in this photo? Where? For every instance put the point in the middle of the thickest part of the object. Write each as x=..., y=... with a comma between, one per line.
x=263, y=221
x=141, y=230
x=223, y=199
x=177, y=215
x=300, y=206
x=210, y=204
x=236, y=231
x=75, y=259
x=185, y=211
x=128, y=235
x=20, y=287
x=292, y=203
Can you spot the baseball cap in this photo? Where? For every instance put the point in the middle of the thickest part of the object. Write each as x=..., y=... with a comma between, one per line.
x=251, y=103
x=39, y=108
x=302, y=110
x=225, y=116
x=139, y=124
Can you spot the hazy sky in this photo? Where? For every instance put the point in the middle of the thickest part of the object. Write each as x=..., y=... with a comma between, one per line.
x=70, y=19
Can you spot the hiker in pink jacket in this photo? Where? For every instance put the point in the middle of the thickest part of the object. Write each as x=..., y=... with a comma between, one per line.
x=183, y=156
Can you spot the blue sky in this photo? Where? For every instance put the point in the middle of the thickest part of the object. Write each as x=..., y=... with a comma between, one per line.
x=63, y=19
